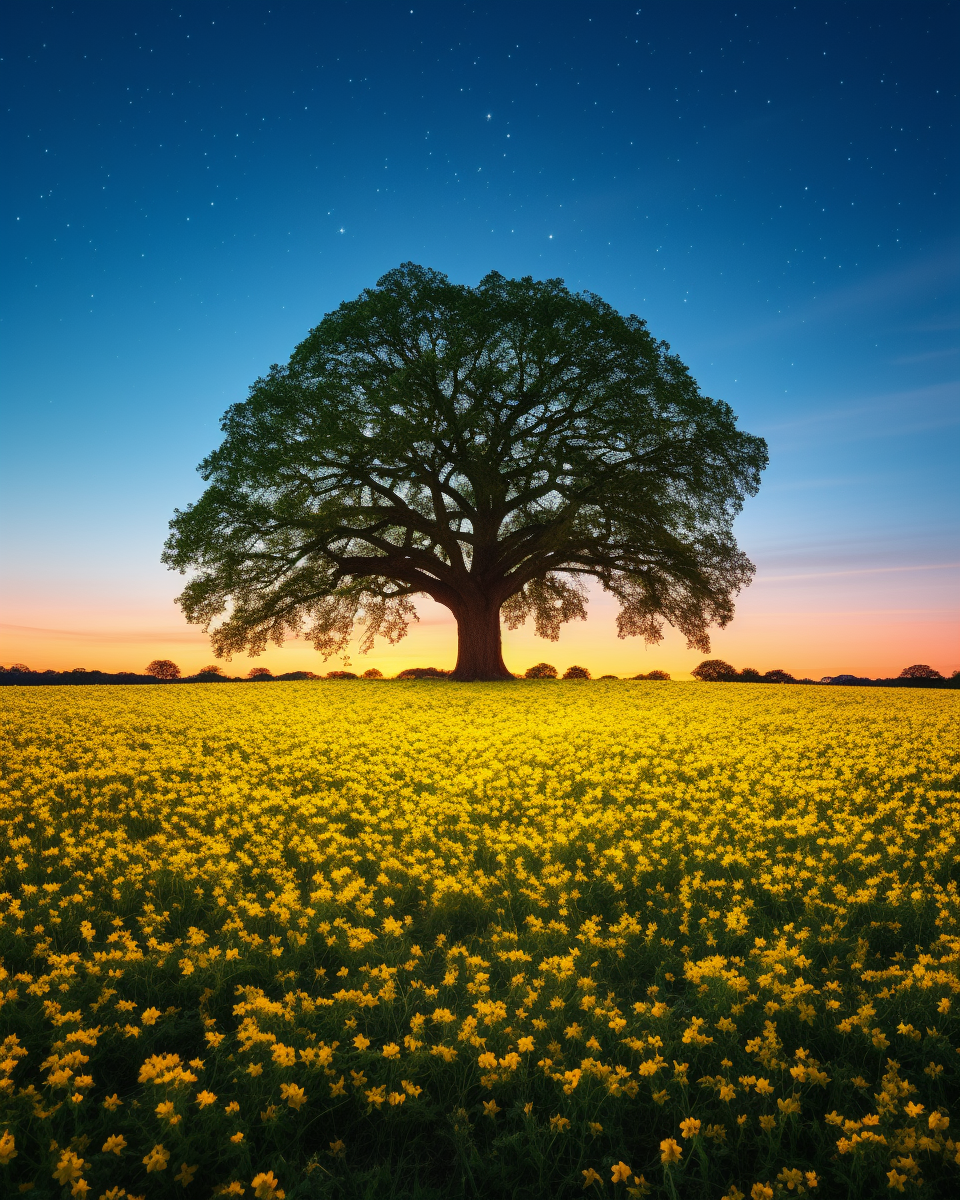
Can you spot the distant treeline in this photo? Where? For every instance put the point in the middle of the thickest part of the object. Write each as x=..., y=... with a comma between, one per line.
x=713, y=670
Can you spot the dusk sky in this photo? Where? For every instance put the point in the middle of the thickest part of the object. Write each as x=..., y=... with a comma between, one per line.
x=772, y=186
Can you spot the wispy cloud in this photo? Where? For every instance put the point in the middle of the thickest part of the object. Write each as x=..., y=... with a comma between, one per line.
x=109, y=636
x=919, y=278
x=858, y=571
x=868, y=418
x=929, y=356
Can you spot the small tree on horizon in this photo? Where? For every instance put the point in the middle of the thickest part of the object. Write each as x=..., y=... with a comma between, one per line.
x=163, y=668
x=919, y=671
x=214, y=670
x=576, y=673
x=260, y=673
x=714, y=670
x=541, y=670
x=494, y=448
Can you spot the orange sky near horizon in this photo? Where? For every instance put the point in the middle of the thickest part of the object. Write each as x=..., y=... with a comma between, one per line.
x=871, y=622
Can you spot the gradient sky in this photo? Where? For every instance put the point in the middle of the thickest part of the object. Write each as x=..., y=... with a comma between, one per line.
x=772, y=186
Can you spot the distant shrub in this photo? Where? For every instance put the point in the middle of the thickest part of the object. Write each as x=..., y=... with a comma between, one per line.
x=259, y=673
x=653, y=675
x=342, y=675
x=576, y=673
x=372, y=673
x=919, y=671
x=160, y=668
x=423, y=673
x=214, y=670
x=609, y=676
x=293, y=676
x=541, y=671
x=749, y=675
x=778, y=676
x=714, y=670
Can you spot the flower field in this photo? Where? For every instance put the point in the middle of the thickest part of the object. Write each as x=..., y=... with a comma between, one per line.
x=425, y=940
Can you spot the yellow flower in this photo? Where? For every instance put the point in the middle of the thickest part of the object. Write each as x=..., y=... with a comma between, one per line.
x=186, y=1173
x=937, y=1121
x=896, y=1180
x=205, y=1098
x=150, y=1016
x=761, y=1191
x=620, y=1172
x=8, y=1148
x=690, y=1127
x=157, y=1159
x=490, y=1108
x=670, y=1151
x=337, y=1148
x=232, y=1107
x=69, y=1167
x=112, y=1102
x=591, y=1177
x=295, y=1096
x=237, y=1138
x=265, y=1185
x=114, y=1144
x=391, y=1050
x=79, y=1188
x=284, y=1056
x=361, y=1042
x=525, y=1045
x=559, y=1123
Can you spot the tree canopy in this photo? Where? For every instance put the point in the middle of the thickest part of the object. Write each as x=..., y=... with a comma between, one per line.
x=494, y=448
x=162, y=668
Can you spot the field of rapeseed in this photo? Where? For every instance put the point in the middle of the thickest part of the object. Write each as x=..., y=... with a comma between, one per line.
x=423, y=940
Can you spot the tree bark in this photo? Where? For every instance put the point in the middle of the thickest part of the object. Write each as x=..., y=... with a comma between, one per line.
x=479, y=656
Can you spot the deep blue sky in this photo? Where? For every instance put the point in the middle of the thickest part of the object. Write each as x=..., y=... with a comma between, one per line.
x=773, y=186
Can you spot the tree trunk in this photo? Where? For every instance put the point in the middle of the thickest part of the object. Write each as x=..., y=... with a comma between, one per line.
x=479, y=657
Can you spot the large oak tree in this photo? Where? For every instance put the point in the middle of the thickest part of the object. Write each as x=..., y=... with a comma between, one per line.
x=494, y=448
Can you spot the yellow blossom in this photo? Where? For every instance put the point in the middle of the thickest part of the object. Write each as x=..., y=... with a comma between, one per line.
x=295, y=1096
x=265, y=1185
x=186, y=1173
x=69, y=1167
x=157, y=1159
